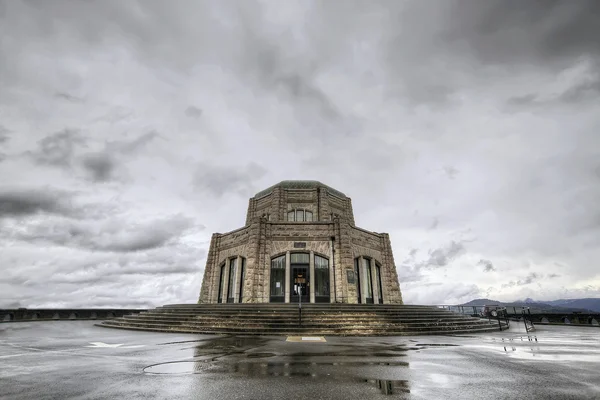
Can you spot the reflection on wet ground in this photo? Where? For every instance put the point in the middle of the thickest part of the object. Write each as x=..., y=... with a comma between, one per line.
x=553, y=363
x=390, y=387
x=293, y=368
x=312, y=370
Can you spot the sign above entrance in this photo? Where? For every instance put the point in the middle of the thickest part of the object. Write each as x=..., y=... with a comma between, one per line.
x=299, y=245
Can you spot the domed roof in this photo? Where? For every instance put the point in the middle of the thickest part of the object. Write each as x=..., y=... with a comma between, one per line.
x=299, y=185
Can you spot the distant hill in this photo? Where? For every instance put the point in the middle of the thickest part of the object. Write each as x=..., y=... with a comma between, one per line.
x=589, y=303
x=570, y=305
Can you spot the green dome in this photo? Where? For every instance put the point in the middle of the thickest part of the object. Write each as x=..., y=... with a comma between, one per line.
x=299, y=185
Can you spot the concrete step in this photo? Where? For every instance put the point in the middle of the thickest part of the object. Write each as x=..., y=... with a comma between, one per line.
x=321, y=319
x=324, y=325
x=266, y=320
x=283, y=327
x=299, y=331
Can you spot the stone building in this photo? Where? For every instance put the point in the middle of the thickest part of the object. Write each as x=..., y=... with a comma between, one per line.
x=300, y=240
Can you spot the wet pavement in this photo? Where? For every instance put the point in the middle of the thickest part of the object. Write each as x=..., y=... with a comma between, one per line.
x=77, y=360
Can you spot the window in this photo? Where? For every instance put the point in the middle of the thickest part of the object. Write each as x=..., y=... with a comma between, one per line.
x=321, y=279
x=359, y=275
x=300, y=215
x=242, y=280
x=368, y=280
x=278, y=279
x=231, y=283
x=379, y=284
x=299, y=258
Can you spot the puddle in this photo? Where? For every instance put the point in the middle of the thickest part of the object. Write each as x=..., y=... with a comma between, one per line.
x=229, y=342
x=390, y=387
x=437, y=345
x=307, y=368
x=362, y=354
x=178, y=367
x=260, y=355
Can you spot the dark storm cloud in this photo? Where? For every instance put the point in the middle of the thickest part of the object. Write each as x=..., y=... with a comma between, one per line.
x=110, y=235
x=100, y=166
x=68, y=97
x=128, y=147
x=451, y=172
x=117, y=271
x=4, y=134
x=515, y=31
x=531, y=278
x=58, y=149
x=193, y=112
x=587, y=91
x=218, y=180
x=276, y=68
x=461, y=38
x=443, y=256
x=144, y=238
x=487, y=264
x=28, y=202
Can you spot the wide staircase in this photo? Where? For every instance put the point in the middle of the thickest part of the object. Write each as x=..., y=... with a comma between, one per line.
x=316, y=319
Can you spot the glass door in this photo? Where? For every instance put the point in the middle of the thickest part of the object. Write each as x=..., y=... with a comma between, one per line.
x=299, y=284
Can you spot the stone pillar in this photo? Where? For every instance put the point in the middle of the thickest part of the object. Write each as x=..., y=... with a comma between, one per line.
x=332, y=266
x=391, y=284
x=311, y=282
x=363, y=281
x=374, y=282
x=238, y=277
x=344, y=258
x=208, y=280
x=225, y=281
x=287, y=277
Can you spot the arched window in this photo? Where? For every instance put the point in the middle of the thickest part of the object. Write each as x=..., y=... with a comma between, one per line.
x=300, y=215
x=231, y=280
x=321, y=280
x=278, y=280
x=368, y=280
x=364, y=280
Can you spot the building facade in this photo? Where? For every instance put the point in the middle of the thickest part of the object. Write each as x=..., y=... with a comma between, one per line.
x=300, y=243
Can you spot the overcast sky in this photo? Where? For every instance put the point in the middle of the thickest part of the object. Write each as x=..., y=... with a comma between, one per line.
x=130, y=131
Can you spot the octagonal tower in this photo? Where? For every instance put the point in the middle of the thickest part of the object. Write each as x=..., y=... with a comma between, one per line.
x=300, y=242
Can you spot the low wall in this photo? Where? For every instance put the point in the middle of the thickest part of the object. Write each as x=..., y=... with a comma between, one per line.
x=53, y=314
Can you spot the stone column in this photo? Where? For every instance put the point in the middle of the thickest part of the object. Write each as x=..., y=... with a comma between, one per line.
x=287, y=277
x=331, y=272
x=225, y=281
x=363, y=283
x=311, y=282
x=238, y=277
x=374, y=282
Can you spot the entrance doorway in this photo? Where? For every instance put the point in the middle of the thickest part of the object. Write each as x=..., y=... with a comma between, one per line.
x=300, y=283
